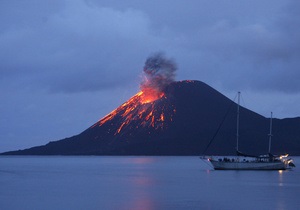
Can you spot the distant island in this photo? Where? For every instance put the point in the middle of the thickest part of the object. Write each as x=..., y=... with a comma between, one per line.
x=179, y=120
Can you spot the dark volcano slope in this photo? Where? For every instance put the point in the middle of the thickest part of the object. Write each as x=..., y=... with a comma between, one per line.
x=183, y=122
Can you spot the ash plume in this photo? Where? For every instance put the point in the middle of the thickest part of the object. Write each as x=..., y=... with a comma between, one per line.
x=159, y=71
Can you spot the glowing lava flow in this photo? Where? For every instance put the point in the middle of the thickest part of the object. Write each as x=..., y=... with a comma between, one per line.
x=142, y=109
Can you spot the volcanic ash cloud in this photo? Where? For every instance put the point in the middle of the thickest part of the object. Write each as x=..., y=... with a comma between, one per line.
x=159, y=71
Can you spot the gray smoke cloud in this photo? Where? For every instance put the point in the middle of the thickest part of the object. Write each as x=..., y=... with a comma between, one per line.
x=159, y=71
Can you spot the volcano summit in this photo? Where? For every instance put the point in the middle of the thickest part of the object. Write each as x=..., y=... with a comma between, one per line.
x=180, y=120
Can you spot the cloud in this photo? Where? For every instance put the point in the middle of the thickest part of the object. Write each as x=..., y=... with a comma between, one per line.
x=89, y=45
x=78, y=48
x=260, y=54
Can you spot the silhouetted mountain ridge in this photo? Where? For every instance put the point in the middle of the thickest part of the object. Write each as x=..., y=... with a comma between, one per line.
x=181, y=122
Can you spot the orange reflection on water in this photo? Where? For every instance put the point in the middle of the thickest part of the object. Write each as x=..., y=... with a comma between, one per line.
x=144, y=204
x=141, y=184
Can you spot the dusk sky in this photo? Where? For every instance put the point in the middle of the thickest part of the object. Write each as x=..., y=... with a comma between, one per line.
x=64, y=64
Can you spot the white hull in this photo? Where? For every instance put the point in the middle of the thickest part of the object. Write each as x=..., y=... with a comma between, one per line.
x=237, y=165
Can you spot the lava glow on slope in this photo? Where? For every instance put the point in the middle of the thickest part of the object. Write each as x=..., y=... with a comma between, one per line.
x=149, y=107
x=141, y=110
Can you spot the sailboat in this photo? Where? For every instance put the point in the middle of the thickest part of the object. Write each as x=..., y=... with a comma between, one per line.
x=251, y=162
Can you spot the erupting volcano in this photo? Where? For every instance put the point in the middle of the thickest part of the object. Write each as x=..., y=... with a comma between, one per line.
x=147, y=105
x=173, y=118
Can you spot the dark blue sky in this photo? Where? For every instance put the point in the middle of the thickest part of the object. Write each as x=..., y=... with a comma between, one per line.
x=65, y=64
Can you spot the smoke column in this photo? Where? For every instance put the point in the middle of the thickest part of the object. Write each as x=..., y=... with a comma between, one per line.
x=159, y=71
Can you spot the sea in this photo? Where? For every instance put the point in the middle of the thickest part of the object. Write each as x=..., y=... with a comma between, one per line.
x=140, y=183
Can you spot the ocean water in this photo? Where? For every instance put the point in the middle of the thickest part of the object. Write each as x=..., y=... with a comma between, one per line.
x=140, y=183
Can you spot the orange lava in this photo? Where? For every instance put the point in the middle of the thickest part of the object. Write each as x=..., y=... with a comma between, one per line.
x=149, y=95
x=140, y=107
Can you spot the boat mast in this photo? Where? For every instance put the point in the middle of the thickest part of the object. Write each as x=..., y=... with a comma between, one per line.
x=270, y=134
x=237, y=122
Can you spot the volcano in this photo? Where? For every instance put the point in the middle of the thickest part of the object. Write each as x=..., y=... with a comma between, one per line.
x=180, y=120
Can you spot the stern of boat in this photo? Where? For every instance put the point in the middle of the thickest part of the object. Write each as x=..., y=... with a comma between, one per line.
x=288, y=162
